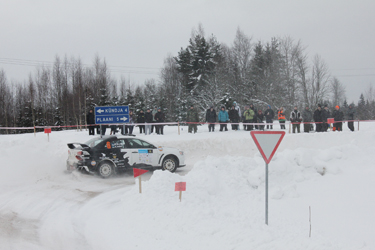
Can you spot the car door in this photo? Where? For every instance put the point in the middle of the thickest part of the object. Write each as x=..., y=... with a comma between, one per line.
x=142, y=152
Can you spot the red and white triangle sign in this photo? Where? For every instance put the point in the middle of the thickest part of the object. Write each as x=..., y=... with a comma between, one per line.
x=267, y=142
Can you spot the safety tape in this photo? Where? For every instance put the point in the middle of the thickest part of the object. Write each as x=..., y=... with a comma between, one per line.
x=173, y=123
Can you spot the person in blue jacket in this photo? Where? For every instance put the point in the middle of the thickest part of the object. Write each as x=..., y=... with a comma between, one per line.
x=223, y=118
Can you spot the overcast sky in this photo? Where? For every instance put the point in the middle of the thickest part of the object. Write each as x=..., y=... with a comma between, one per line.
x=138, y=35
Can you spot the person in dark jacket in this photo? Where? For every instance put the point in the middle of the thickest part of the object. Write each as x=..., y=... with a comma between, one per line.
x=90, y=120
x=254, y=120
x=325, y=115
x=141, y=119
x=295, y=118
x=234, y=117
x=211, y=119
x=338, y=115
x=160, y=118
x=260, y=118
x=350, y=115
x=130, y=126
x=318, y=119
x=269, y=114
x=307, y=117
x=148, y=122
x=113, y=129
x=193, y=119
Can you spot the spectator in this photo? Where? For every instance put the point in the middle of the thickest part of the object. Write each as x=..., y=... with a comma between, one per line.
x=223, y=119
x=160, y=118
x=129, y=128
x=148, y=122
x=211, y=119
x=254, y=120
x=248, y=116
x=338, y=115
x=141, y=119
x=269, y=114
x=154, y=111
x=318, y=119
x=260, y=118
x=234, y=117
x=307, y=117
x=281, y=117
x=90, y=120
x=193, y=119
x=325, y=115
x=295, y=118
x=237, y=107
x=350, y=115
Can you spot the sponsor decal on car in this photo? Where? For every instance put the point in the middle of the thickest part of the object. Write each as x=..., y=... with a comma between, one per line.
x=93, y=163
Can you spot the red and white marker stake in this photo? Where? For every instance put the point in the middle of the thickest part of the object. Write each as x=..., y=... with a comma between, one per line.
x=47, y=131
x=180, y=186
x=137, y=173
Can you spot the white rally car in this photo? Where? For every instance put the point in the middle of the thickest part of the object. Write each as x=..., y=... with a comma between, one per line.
x=111, y=154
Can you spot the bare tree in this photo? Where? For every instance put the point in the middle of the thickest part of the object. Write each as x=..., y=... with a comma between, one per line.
x=319, y=81
x=338, y=92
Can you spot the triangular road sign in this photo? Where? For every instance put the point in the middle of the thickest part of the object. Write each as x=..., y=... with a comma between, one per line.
x=137, y=172
x=267, y=142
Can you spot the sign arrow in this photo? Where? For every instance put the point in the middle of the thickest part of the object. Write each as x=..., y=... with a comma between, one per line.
x=100, y=111
x=123, y=118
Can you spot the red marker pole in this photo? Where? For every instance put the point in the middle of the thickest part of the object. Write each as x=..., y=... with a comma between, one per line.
x=47, y=131
x=180, y=186
x=137, y=173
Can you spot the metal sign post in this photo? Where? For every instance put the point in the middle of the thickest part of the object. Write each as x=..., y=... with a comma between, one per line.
x=267, y=143
x=266, y=194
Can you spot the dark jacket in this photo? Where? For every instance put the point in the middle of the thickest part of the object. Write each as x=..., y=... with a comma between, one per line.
x=234, y=116
x=269, y=114
x=141, y=118
x=148, y=117
x=255, y=112
x=338, y=115
x=350, y=114
x=192, y=115
x=325, y=115
x=159, y=117
x=260, y=116
x=318, y=115
x=90, y=119
x=307, y=115
x=210, y=115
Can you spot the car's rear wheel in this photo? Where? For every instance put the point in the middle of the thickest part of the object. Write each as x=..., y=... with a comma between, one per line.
x=106, y=169
x=170, y=163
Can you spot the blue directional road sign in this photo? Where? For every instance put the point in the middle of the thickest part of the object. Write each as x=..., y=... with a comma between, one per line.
x=109, y=115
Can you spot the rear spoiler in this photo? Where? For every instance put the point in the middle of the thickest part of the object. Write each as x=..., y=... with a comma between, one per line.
x=76, y=144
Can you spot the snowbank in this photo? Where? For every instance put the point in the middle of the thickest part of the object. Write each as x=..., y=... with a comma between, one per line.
x=41, y=207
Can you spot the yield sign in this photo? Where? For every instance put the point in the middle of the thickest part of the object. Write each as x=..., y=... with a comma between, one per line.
x=138, y=172
x=267, y=142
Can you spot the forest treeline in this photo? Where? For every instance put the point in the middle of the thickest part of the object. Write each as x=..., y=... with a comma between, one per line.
x=204, y=73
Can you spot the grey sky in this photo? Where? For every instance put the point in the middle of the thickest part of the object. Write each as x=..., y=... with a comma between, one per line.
x=142, y=33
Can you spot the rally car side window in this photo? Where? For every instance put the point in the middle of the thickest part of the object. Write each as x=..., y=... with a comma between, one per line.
x=118, y=144
x=136, y=143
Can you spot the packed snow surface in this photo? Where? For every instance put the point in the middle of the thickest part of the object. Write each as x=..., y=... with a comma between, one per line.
x=330, y=176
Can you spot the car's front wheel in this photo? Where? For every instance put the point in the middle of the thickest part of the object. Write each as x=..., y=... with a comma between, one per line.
x=106, y=169
x=170, y=163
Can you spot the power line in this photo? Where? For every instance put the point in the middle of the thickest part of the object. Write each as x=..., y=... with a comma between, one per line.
x=117, y=69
